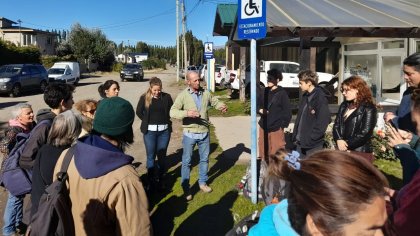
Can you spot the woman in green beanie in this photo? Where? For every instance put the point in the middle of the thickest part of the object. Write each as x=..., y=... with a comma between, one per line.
x=107, y=194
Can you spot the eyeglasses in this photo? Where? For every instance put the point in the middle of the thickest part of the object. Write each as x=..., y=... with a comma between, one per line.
x=92, y=111
x=345, y=90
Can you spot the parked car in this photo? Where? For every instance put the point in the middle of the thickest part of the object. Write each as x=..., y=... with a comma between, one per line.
x=17, y=78
x=220, y=76
x=190, y=68
x=132, y=71
x=289, y=70
x=64, y=72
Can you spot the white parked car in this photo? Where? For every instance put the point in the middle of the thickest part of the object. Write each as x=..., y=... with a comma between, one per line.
x=220, y=75
x=189, y=68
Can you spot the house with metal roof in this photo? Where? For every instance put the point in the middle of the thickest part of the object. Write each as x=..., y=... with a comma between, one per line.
x=13, y=32
x=364, y=37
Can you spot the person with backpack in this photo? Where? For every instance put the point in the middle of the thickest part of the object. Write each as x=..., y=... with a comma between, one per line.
x=313, y=116
x=22, y=122
x=64, y=131
x=59, y=97
x=106, y=194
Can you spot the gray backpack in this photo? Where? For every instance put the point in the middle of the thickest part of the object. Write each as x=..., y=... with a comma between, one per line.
x=54, y=215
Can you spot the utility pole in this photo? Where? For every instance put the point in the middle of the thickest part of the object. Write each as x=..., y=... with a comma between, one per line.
x=20, y=34
x=184, y=19
x=177, y=40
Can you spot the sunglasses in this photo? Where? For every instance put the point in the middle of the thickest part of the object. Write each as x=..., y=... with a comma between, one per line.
x=91, y=111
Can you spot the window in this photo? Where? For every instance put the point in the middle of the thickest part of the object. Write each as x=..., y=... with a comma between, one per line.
x=393, y=44
x=49, y=40
x=364, y=66
x=361, y=46
x=34, y=70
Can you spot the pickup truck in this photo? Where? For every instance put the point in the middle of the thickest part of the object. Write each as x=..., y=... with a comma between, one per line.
x=289, y=70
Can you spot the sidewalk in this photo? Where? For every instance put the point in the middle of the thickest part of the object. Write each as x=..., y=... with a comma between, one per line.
x=234, y=134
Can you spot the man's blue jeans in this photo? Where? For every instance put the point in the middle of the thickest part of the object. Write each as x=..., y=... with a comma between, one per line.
x=156, y=143
x=13, y=214
x=188, y=145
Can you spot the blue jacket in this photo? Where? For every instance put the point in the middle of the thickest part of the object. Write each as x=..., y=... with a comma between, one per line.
x=409, y=155
x=274, y=220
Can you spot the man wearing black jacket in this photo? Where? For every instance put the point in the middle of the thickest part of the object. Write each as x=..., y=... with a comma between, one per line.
x=313, y=116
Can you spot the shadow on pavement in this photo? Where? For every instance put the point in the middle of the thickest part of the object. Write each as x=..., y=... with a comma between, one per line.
x=10, y=104
x=81, y=83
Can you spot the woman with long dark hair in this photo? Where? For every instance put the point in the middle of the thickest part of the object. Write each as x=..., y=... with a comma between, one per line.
x=153, y=109
x=356, y=117
x=110, y=88
x=330, y=193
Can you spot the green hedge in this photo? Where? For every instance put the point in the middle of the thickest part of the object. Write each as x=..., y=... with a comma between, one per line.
x=117, y=67
x=12, y=54
x=153, y=63
x=49, y=60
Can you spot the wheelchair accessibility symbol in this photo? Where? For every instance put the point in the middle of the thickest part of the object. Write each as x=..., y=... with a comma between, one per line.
x=251, y=9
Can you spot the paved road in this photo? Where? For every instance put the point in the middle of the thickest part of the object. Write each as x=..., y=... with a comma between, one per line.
x=88, y=88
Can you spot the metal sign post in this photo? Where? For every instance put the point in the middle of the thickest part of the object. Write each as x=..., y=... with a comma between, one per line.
x=252, y=25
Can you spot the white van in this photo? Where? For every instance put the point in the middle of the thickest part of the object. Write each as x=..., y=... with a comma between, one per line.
x=64, y=72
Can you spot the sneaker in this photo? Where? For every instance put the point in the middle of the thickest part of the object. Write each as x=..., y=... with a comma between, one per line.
x=188, y=197
x=205, y=188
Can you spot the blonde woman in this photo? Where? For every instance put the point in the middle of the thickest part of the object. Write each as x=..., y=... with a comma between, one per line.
x=87, y=109
x=153, y=109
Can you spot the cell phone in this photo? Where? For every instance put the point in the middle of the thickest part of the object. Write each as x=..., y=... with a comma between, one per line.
x=390, y=122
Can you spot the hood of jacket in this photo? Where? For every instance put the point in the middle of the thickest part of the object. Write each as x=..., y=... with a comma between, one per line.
x=281, y=220
x=95, y=157
x=44, y=114
x=16, y=123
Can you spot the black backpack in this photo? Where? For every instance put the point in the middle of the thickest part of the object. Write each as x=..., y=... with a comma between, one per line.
x=54, y=215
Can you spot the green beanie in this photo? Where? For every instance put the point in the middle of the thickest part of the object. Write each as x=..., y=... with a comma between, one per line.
x=114, y=116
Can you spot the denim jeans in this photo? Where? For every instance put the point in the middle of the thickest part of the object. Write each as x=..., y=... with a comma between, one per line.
x=156, y=143
x=13, y=214
x=188, y=145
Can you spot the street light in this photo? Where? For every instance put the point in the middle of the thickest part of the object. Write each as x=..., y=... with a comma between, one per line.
x=20, y=34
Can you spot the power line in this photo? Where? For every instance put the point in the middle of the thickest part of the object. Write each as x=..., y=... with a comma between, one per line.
x=114, y=25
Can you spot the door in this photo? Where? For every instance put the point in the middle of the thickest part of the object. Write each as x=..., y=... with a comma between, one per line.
x=26, y=80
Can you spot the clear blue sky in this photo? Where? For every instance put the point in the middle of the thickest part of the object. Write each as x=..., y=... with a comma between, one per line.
x=150, y=21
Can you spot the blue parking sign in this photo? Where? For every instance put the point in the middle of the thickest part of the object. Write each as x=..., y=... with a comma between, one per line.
x=208, y=50
x=252, y=19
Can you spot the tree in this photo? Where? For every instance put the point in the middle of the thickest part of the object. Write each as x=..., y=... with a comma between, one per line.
x=64, y=49
x=142, y=47
x=91, y=45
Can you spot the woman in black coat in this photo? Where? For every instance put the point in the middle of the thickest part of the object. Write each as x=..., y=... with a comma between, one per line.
x=153, y=110
x=356, y=117
x=64, y=131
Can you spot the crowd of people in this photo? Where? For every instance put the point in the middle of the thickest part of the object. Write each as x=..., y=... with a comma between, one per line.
x=317, y=192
